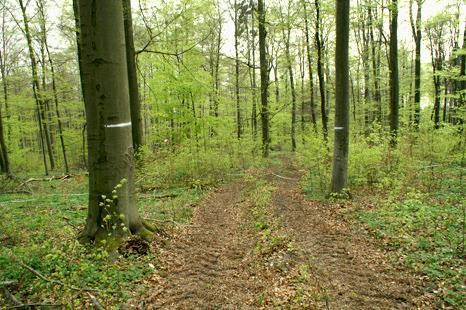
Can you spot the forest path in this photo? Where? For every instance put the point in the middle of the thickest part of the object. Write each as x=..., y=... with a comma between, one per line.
x=349, y=270
x=204, y=266
x=326, y=263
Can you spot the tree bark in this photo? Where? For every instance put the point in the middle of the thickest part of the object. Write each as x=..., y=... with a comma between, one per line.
x=78, y=42
x=43, y=130
x=341, y=145
x=264, y=72
x=6, y=168
x=135, y=104
x=375, y=51
x=41, y=5
x=112, y=211
x=309, y=63
x=417, y=35
x=3, y=149
x=238, y=107
x=320, y=71
x=254, y=79
x=394, y=82
x=286, y=39
x=459, y=119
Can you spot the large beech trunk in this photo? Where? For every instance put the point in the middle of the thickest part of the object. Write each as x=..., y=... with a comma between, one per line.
x=112, y=212
x=341, y=144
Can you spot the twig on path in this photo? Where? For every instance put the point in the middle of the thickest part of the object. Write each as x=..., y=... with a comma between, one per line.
x=7, y=283
x=58, y=177
x=95, y=302
x=163, y=221
x=68, y=221
x=9, y=296
x=285, y=178
x=27, y=306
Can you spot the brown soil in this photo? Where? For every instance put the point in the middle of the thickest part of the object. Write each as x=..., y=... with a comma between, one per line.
x=349, y=268
x=204, y=265
x=326, y=263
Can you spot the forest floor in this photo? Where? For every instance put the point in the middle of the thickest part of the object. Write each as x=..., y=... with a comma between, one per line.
x=257, y=242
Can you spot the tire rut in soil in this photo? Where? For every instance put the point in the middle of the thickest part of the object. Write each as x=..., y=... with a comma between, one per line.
x=352, y=271
x=203, y=265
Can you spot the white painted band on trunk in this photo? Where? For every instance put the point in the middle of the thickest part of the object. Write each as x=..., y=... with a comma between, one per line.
x=118, y=125
x=339, y=128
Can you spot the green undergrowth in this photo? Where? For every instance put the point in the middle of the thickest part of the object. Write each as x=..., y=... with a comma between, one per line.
x=266, y=224
x=39, y=231
x=198, y=166
x=41, y=218
x=411, y=197
x=427, y=237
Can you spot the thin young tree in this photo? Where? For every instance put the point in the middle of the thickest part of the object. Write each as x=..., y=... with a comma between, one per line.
x=320, y=69
x=252, y=69
x=286, y=32
x=236, y=8
x=264, y=72
x=341, y=144
x=376, y=45
x=43, y=128
x=112, y=210
x=41, y=7
x=393, y=66
x=309, y=64
x=136, y=116
x=5, y=162
x=417, y=35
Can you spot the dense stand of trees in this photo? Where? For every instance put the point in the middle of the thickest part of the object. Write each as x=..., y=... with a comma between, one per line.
x=190, y=82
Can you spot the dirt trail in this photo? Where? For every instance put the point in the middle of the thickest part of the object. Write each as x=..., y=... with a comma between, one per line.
x=212, y=264
x=204, y=265
x=349, y=269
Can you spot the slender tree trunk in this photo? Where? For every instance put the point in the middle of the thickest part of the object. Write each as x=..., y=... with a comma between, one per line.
x=309, y=63
x=264, y=79
x=254, y=79
x=276, y=81
x=46, y=111
x=436, y=68
x=375, y=63
x=302, y=72
x=41, y=5
x=112, y=211
x=353, y=98
x=436, y=58
x=36, y=91
x=445, y=100
x=320, y=72
x=394, y=82
x=136, y=116
x=459, y=118
x=3, y=149
x=3, y=61
x=340, y=153
x=286, y=39
x=217, y=61
x=417, y=35
x=238, y=110
x=78, y=42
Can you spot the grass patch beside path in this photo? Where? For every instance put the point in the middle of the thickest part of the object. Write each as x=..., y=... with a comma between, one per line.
x=428, y=238
x=39, y=230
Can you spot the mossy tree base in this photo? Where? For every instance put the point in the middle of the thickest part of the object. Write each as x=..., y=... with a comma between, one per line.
x=111, y=240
